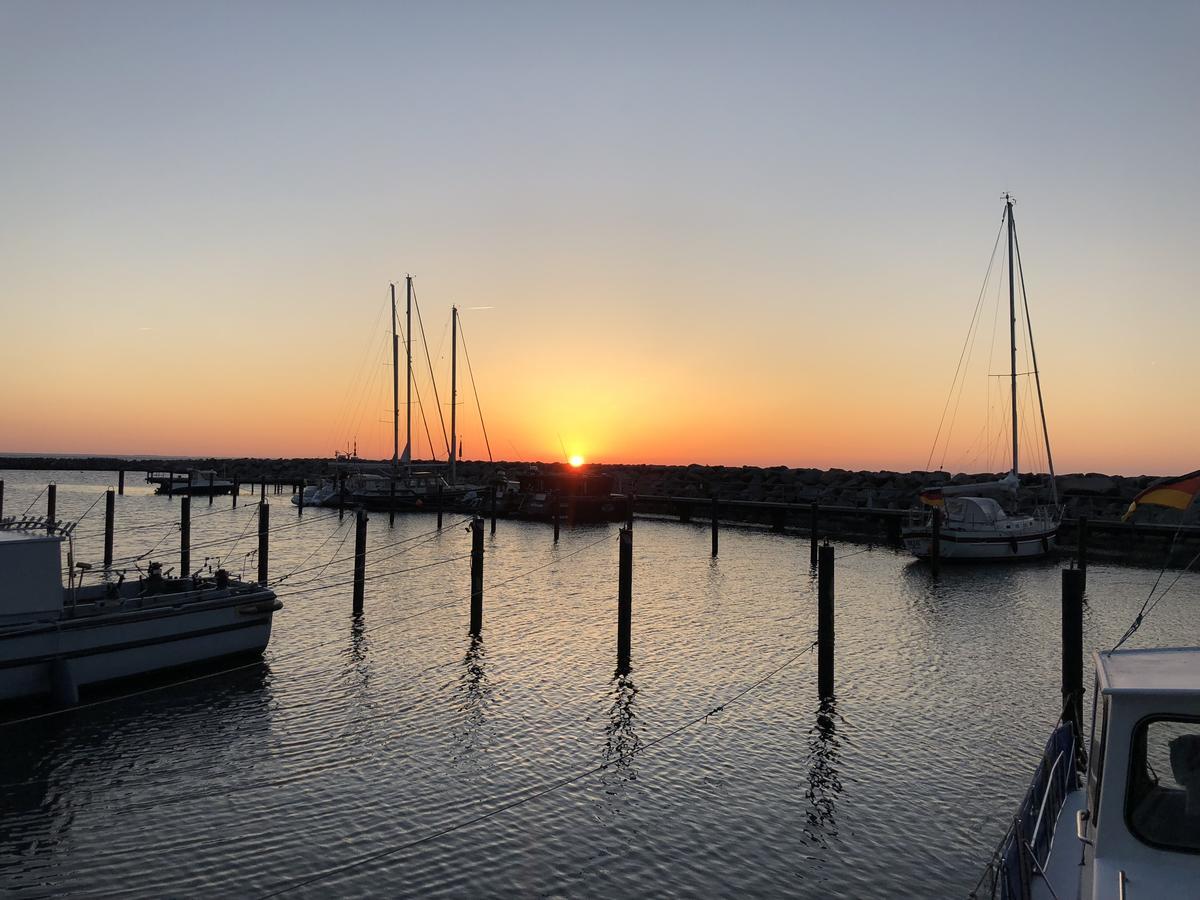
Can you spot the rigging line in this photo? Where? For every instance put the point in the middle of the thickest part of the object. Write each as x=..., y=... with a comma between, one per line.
x=353, y=388
x=432, y=379
x=1145, y=610
x=1167, y=589
x=314, y=552
x=250, y=519
x=300, y=652
x=35, y=500
x=297, y=524
x=949, y=396
x=538, y=792
x=474, y=388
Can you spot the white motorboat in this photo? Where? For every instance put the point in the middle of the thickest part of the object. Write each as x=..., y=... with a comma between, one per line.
x=54, y=641
x=194, y=481
x=964, y=521
x=1128, y=825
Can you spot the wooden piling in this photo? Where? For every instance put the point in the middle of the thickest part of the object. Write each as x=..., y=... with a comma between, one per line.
x=1, y=498
x=935, y=541
x=264, y=526
x=300, y=498
x=493, y=511
x=237, y=489
x=554, y=513
x=212, y=477
x=191, y=475
x=392, y=501
x=716, y=527
x=813, y=534
x=624, y=600
x=51, y=503
x=170, y=484
x=1081, y=547
x=109, y=516
x=476, y=575
x=185, y=536
x=360, y=560
x=440, y=506
x=341, y=492
x=631, y=499
x=1072, y=643
x=121, y=482
x=825, y=622
x=262, y=498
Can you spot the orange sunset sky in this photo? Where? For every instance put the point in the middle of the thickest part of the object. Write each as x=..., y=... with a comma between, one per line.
x=744, y=235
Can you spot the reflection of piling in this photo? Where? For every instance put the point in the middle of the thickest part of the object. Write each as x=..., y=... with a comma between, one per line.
x=1072, y=643
x=476, y=575
x=264, y=525
x=935, y=542
x=185, y=536
x=51, y=503
x=812, y=534
x=1081, y=550
x=825, y=622
x=624, y=599
x=109, y=515
x=121, y=482
x=716, y=527
x=360, y=560
x=554, y=513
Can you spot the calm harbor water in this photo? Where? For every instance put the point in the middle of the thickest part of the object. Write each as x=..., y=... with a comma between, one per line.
x=397, y=757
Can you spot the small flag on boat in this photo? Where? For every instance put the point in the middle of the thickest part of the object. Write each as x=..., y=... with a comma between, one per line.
x=1176, y=493
x=933, y=497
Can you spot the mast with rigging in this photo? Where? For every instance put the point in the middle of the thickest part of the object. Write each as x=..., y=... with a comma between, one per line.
x=453, y=389
x=408, y=376
x=395, y=388
x=1012, y=329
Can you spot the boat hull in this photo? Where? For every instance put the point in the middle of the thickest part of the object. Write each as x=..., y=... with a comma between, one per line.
x=956, y=545
x=91, y=650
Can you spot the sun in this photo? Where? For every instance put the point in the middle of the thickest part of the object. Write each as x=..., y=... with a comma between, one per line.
x=576, y=460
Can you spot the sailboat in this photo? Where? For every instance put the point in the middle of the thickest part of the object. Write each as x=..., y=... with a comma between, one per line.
x=970, y=524
x=405, y=488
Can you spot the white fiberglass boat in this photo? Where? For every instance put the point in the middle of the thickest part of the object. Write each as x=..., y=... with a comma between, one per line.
x=966, y=521
x=54, y=640
x=1127, y=826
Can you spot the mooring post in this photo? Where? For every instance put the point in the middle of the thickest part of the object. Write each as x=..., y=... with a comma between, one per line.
x=237, y=489
x=554, y=513
x=1072, y=644
x=825, y=622
x=360, y=560
x=51, y=502
x=109, y=515
x=630, y=499
x=121, y=482
x=262, y=497
x=1, y=498
x=264, y=526
x=190, y=477
x=185, y=537
x=812, y=534
x=476, y=575
x=440, y=506
x=624, y=599
x=716, y=527
x=935, y=542
x=341, y=489
x=493, y=491
x=170, y=484
x=1082, y=546
x=300, y=498
x=212, y=492
x=392, y=501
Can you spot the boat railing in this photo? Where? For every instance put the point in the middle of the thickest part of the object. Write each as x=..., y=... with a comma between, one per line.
x=37, y=523
x=1021, y=855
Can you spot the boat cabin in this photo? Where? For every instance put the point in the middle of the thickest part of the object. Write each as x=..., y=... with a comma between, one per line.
x=1136, y=823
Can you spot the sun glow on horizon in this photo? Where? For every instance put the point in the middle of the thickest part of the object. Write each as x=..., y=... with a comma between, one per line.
x=576, y=460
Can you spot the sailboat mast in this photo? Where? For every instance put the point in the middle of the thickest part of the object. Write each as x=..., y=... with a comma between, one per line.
x=453, y=389
x=408, y=378
x=1012, y=323
x=395, y=387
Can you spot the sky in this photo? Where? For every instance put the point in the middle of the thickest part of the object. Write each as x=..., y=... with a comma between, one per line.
x=748, y=233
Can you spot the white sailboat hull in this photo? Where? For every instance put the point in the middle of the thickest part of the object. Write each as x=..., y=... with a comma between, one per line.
x=971, y=545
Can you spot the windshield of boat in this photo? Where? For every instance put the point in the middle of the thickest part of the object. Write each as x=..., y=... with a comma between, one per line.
x=1162, y=802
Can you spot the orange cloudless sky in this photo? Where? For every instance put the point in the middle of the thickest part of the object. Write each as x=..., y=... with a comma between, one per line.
x=744, y=235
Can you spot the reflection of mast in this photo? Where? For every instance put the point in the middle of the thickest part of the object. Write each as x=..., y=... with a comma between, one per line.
x=824, y=786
